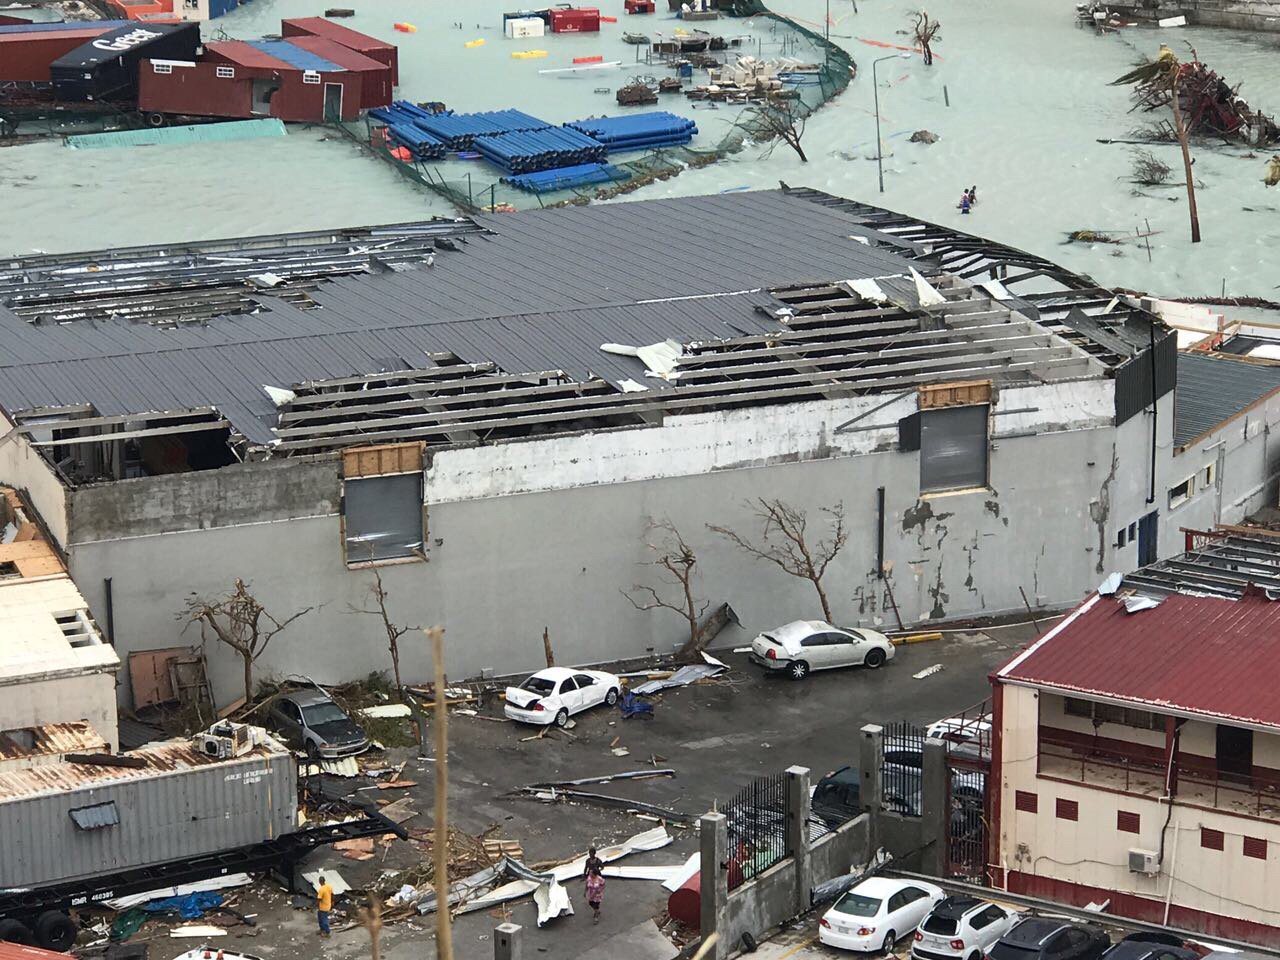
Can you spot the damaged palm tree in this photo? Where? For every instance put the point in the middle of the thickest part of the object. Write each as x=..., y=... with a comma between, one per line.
x=240, y=622
x=1159, y=82
x=926, y=33
x=785, y=541
x=676, y=560
x=778, y=119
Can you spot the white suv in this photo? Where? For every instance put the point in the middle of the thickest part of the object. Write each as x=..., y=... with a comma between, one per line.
x=960, y=928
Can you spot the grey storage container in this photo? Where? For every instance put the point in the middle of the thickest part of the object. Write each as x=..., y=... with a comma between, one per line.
x=67, y=821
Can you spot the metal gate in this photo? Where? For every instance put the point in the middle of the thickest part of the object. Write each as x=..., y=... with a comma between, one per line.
x=756, y=820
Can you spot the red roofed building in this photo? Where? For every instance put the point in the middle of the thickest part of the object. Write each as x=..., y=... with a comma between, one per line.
x=1136, y=754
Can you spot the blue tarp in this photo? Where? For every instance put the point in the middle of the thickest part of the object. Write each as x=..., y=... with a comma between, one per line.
x=190, y=907
x=296, y=56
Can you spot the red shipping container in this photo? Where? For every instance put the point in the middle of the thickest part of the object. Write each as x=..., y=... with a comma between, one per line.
x=575, y=20
x=26, y=56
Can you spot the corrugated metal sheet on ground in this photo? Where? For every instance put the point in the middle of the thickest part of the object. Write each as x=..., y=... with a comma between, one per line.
x=178, y=136
x=1196, y=654
x=1212, y=389
x=295, y=56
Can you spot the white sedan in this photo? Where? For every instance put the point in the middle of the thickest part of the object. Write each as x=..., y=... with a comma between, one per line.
x=805, y=645
x=551, y=695
x=877, y=913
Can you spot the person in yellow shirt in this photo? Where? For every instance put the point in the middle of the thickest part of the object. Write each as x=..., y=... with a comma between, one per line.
x=324, y=903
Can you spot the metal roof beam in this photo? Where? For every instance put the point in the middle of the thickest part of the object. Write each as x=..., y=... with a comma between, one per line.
x=478, y=385
x=218, y=424
x=77, y=423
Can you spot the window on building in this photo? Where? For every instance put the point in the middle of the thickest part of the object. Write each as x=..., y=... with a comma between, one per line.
x=953, y=448
x=310, y=76
x=162, y=67
x=1133, y=531
x=1067, y=809
x=1211, y=839
x=1255, y=847
x=226, y=73
x=1026, y=801
x=1120, y=538
x=1207, y=476
x=383, y=517
x=95, y=817
x=1110, y=713
x=1182, y=492
x=1074, y=707
x=1127, y=822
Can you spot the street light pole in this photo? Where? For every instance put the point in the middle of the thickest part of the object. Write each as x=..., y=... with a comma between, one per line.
x=875, y=86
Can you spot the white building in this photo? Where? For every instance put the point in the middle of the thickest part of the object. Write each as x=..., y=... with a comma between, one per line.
x=490, y=409
x=56, y=672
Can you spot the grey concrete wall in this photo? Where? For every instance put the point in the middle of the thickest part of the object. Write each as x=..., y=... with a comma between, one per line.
x=501, y=567
x=22, y=468
x=836, y=853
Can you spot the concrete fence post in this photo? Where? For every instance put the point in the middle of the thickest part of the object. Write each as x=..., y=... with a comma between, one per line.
x=797, y=827
x=935, y=812
x=507, y=941
x=871, y=777
x=713, y=837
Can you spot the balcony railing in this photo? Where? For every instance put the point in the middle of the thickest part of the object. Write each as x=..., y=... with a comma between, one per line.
x=1245, y=796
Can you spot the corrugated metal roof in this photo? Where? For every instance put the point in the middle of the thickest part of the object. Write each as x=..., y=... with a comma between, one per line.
x=1212, y=389
x=295, y=56
x=335, y=52
x=1192, y=654
x=172, y=756
x=52, y=739
x=353, y=39
x=246, y=55
x=542, y=290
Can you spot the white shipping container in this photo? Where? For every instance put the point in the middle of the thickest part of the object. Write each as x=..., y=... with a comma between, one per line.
x=521, y=27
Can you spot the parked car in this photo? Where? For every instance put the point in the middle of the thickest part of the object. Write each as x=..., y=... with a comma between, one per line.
x=961, y=928
x=970, y=736
x=904, y=764
x=1042, y=938
x=805, y=645
x=554, y=694
x=1151, y=946
x=876, y=913
x=836, y=798
x=309, y=719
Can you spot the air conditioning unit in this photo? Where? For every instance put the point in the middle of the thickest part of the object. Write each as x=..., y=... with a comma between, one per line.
x=1144, y=861
x=211, y=745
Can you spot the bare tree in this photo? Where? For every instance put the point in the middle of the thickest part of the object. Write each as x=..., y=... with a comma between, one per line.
x=676, y=561
x=378, y=594
x=778, y=119
x=927, y=32
x=239, y=621
x=1157, y=82
x=785, y=542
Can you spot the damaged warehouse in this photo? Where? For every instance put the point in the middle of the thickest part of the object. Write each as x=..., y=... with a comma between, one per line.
x=437, y=398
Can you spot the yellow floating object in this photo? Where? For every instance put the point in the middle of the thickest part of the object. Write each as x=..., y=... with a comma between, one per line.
x=474, y=43
x=528, y=54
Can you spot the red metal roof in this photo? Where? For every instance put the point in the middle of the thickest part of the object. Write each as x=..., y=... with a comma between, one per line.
x=1202, y=655
x=335, y=52
x=239, y=52
x=320, y=27
x=16, y=951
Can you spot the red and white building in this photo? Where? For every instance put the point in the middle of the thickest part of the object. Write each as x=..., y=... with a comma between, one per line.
x=1136, y=748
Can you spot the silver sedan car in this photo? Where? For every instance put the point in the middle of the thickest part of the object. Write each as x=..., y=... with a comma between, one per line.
x=805, y=645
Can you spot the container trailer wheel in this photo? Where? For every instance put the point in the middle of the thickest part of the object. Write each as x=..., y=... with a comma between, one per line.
x=55, y=931
x=15, y=931
x=155, y=119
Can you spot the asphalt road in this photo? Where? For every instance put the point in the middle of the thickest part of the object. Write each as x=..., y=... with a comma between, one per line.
x=717, y=736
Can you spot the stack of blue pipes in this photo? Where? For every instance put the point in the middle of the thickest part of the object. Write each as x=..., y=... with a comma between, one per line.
x=533, y=150
x=566, y=178
x=460, y=130
x=638, y=131
x=402, y=119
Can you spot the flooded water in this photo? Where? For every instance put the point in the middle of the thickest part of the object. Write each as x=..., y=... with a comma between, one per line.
x=1029, y=102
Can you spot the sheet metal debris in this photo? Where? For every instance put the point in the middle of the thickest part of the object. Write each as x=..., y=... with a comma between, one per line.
x=1135, y=603
x=552, y=794
x=213, y=883
x=928, y=671
x=684, y=676
x=608, y=778
x=691, y=866
x=386, y=710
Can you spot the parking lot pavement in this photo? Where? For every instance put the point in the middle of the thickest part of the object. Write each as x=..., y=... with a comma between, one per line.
x=717, y=736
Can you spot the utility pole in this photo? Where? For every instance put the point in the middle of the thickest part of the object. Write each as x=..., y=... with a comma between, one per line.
x=875, y=86
x=440, y=841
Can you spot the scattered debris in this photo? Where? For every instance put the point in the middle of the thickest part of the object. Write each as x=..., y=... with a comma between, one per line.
x=387, y=711
x=497, y=849
x=1091, y=236
x=686, y=872
x=1273, y=171
x=1148, y=170
x=620, y=752
x=928, y=671
x=214, y=883
x=397, y=784
x=359, y=849
x=401, y=811
x=200, y=930
x=624, y=775
x=684, y=676
x=336, y=880
x=923, y=136
x=553, y=794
